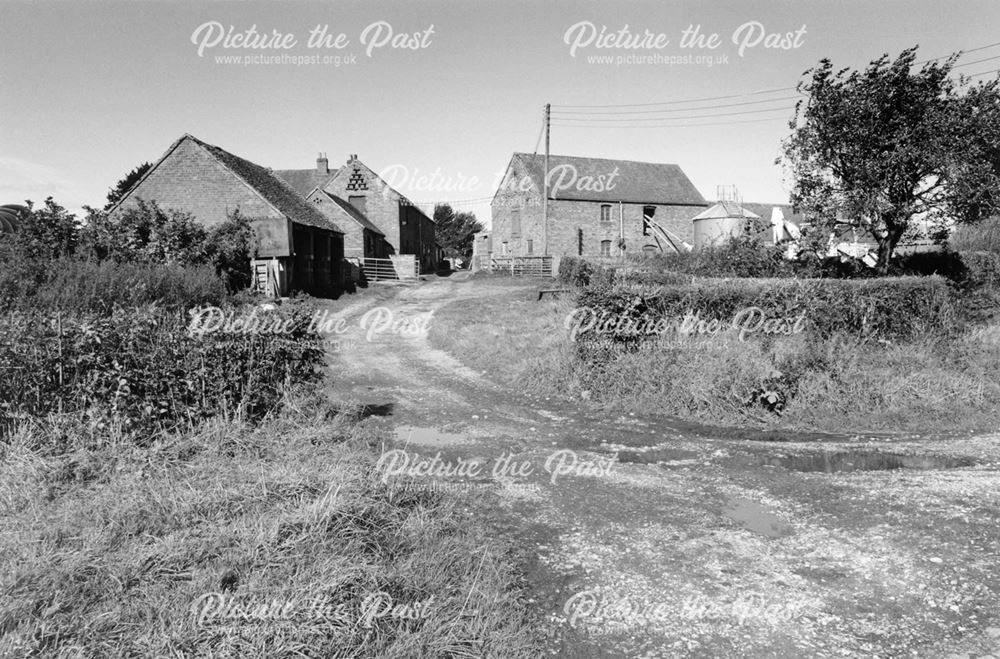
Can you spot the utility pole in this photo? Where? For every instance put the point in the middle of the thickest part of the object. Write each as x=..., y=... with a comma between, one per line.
x=545, y=195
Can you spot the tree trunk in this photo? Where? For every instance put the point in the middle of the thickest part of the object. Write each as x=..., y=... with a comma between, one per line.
x=887, y=245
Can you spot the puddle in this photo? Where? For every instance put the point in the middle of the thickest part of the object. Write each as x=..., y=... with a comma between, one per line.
x=830, y=462
x=429, y=436
x=754, y=517
x=657, y=455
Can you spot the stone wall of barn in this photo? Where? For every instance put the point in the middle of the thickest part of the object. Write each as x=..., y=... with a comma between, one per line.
x=576, y=227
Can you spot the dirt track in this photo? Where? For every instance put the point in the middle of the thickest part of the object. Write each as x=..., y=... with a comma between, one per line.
x=659, y=541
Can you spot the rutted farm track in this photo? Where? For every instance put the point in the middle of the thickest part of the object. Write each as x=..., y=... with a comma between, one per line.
x=698, y=545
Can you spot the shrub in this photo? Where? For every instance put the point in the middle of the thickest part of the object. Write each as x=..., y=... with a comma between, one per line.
x=47, y=232
x=872, y=309
x=142, y=370
x=75, y=285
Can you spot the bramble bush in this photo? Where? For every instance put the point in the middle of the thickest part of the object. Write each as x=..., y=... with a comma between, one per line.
x=140, y=370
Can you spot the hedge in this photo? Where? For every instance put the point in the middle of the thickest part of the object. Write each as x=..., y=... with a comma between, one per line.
x=142, y=370
x=894, y=308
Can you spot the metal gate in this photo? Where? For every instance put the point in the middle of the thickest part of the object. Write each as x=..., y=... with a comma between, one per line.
x=399, y=268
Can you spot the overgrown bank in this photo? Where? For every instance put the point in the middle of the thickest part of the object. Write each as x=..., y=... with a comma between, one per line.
x=913, y=354
x=173, y=493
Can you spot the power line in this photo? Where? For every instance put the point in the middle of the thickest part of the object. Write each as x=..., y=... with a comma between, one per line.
x=706, y=107
x=960, y=53
x=687, y=100
x=978, y=61
x=718, y=123
x=694, y=116
x=563, y=108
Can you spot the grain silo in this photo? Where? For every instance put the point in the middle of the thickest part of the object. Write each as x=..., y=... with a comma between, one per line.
x=716, y=225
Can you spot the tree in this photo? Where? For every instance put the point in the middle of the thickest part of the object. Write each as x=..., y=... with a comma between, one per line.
x=455, y=231
x=890, y=148
x=124, y=185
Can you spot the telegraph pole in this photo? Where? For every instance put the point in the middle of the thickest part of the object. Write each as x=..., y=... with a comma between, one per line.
x=545, y=195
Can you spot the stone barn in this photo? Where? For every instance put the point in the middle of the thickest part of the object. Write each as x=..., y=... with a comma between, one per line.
x=597, y=207
x=298, y=247
x=362, y=239
x=404, y=227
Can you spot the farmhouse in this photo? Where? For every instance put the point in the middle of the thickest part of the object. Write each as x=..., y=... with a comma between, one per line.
x=597, y=207
x=298, y=247
x=404, y=227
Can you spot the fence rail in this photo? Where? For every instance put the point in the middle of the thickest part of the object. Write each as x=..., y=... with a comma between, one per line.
x=522, y=266
x=399, y=268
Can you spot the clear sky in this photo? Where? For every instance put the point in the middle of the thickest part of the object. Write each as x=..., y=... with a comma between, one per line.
x=88, y=90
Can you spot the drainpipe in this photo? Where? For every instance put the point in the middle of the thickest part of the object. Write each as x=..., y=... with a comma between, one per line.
x=621, y=228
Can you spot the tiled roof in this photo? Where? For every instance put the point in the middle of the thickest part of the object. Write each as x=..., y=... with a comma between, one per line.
x=304, y=181
x=635, y=182
x=353, y=213
x=271, y=188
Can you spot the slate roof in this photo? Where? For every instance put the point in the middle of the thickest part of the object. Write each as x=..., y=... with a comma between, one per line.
x=304, y=181
x=275, y=191
x=352, y=212
x=636, y=182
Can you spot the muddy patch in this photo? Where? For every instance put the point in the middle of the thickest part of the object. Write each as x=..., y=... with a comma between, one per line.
x=658, y=455
x=830, y=462
x=756, y=518
x=429, y=436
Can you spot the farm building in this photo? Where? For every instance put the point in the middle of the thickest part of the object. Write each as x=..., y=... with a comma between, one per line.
x=405, y=228
x=362, y=239
x=597, y=207
x=298, y=247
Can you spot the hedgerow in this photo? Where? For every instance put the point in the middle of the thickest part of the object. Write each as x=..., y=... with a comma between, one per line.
x=141, y=370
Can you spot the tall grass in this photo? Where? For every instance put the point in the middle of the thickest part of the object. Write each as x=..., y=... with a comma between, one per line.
x=981, y=237
x=106, y=552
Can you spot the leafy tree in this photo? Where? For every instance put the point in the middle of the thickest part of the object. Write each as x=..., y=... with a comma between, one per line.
x=890, y=148
x=455, y=231
x=124, y=185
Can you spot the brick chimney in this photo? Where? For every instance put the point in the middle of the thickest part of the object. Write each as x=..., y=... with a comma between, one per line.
x=322, y=164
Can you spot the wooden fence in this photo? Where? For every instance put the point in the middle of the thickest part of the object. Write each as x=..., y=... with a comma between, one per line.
x=400, y=268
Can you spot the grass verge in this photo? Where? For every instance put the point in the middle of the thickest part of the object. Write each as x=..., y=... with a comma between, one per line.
x=235, y=541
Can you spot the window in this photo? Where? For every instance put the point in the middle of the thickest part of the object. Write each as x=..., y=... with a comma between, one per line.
x=359, y=203
x=503, y=248
x=605, y=212
x=647, y=215
x=579, y=242
x=531, y=247
x=605, y=248
x=515, y=222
